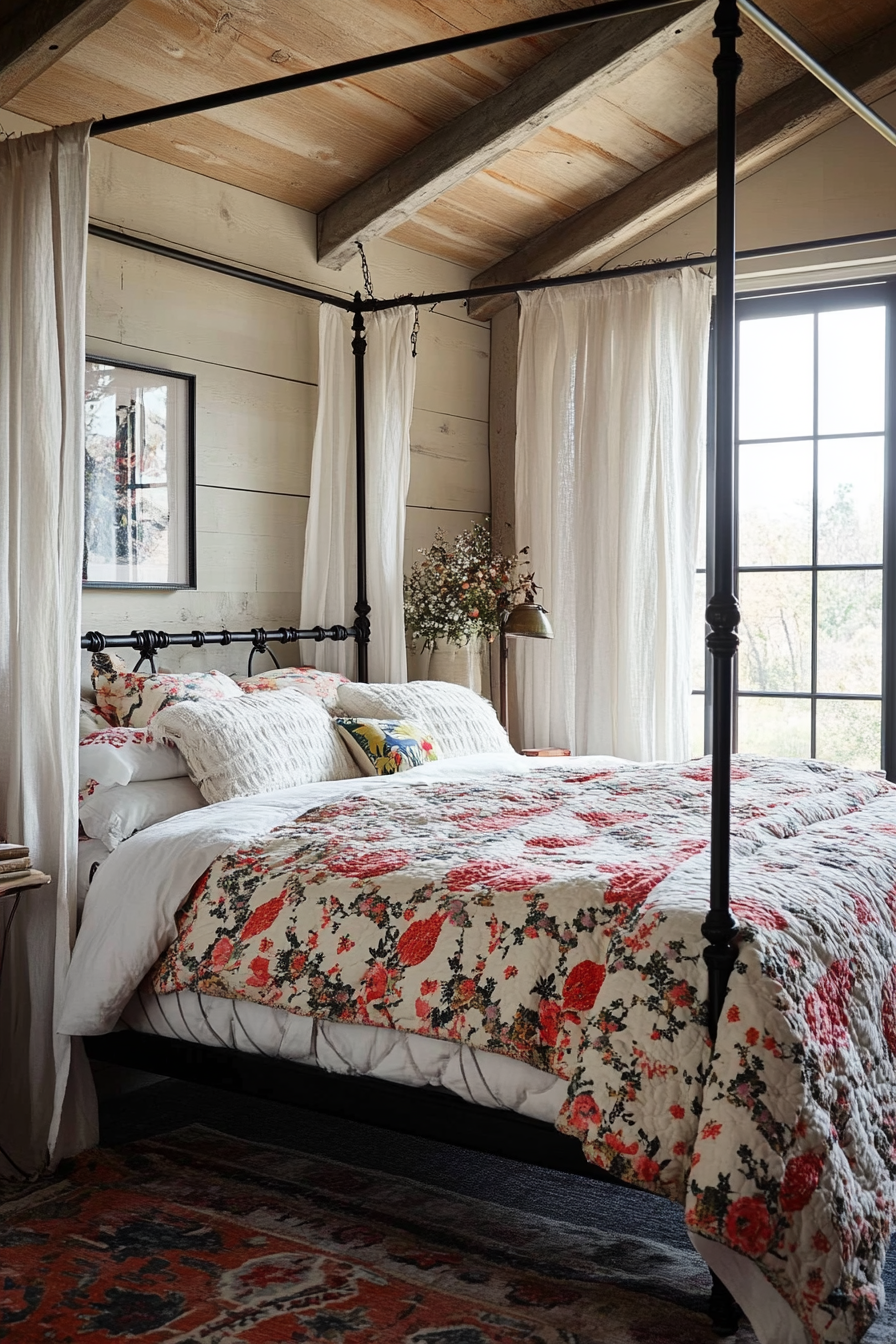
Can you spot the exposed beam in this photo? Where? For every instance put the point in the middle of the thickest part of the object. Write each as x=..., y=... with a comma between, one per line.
x=594, y=59
x=35, y=33
x=775, y=126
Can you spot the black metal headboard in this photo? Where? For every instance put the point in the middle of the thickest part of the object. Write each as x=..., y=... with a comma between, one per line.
x=148, y=642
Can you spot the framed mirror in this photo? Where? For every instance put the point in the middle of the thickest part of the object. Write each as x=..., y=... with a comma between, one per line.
x=139, y=476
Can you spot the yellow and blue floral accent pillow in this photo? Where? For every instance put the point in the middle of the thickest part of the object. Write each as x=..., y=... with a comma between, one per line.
x=387, y=746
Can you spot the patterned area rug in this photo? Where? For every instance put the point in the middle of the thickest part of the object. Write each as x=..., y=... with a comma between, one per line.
x=199, y=1238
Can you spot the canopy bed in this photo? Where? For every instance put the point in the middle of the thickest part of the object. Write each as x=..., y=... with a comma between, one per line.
x=744, y=837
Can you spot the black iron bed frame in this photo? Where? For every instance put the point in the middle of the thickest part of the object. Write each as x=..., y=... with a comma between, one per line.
x=430, y=1111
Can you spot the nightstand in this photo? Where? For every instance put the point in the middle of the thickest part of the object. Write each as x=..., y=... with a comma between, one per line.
x=14, y=889
x=546, y=751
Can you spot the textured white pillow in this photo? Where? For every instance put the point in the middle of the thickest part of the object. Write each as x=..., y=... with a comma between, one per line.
x=255, y=743
x=462, y=722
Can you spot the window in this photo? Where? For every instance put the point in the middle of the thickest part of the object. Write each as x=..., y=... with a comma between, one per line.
x=811, y=436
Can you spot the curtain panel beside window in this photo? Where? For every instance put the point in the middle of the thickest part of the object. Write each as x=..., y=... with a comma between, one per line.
x=47, y=1107
x=610, y=453
x=329, y=582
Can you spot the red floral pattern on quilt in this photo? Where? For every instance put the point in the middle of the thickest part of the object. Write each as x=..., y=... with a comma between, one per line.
x=556, y=919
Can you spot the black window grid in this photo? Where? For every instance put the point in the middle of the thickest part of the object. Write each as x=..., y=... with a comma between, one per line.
x=815, y=301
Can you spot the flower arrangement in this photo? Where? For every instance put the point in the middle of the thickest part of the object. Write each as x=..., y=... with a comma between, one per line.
x=458, y=592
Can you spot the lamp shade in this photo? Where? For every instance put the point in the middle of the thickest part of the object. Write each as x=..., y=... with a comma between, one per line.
x=528, y=620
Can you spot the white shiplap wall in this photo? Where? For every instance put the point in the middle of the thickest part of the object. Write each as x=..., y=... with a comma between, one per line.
x=254, y=353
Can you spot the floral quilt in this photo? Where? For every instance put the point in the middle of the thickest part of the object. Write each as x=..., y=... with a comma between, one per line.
x=556, y=919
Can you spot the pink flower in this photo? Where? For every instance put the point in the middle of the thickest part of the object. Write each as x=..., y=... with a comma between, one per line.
x=502, y=874
x=221, y=953
x=365, y=864
x=549, y=1021
x=748, y=1227
x=827, y=1007
x=801, y=1177
x=260, y=977
x=417, y=942
x=582, y=985
x=263, y=917
x=646, y=1169
x=584, y=1112
x=757, y=913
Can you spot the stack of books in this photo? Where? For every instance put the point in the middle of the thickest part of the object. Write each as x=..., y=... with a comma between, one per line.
x=15, y=866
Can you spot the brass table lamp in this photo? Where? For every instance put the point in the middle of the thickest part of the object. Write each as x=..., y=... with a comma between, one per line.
x=527, y=620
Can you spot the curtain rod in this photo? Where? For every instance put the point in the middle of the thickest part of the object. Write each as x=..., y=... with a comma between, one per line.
x=221, y=267
x=418, y=300
x=387, y=60
x=642, y=268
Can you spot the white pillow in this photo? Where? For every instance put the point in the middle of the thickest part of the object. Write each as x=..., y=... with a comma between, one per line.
x=126, y=756
x=112, y=814
x=462, y=722
x=255, y=743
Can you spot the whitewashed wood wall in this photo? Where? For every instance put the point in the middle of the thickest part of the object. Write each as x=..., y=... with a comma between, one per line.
x=254, y=354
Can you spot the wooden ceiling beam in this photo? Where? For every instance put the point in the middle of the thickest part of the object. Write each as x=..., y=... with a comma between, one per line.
x=766, y=132
x=596, y=59
x=34, y=34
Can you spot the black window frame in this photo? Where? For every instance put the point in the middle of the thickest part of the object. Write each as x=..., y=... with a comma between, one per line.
x=835, y=296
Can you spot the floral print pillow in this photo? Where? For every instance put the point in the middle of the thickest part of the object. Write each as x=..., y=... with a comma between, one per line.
x=134, y=699
x=387, y=746
x=92, y=719
x=320, y=685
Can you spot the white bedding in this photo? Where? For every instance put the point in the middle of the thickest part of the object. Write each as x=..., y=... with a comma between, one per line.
x=129, y=920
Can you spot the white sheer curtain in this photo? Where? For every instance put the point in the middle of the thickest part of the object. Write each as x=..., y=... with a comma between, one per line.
x=328, y=581
x=46, y=1097
x=611, y=427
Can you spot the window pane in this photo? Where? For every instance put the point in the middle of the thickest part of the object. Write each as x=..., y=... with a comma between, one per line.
x=698, y=635
x=851, y=349
x=849, y=631
x=848, y=731
x=777, y=356
x=775, y=632
x=850, y=502
x=767, y=727
x=775, y=504
x=697, y=709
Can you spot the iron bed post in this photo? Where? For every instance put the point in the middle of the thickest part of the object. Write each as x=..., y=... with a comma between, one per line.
x=362, y=607
x=722, y=613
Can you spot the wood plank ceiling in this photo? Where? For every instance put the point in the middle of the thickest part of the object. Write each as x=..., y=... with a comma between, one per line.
x=591, y=142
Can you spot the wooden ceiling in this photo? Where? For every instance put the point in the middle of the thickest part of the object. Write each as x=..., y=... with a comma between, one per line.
x=311, y=148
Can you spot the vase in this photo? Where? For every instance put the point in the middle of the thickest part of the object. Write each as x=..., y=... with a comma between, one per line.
x=461, y=664
x=418, y=660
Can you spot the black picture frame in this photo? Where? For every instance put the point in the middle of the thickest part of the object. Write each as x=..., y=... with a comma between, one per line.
x=179, y=479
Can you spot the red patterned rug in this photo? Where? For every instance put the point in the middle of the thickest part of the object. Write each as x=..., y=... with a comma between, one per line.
x=198, y=1238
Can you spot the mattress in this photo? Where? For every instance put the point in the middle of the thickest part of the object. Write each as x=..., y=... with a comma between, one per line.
x=375, y=1052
